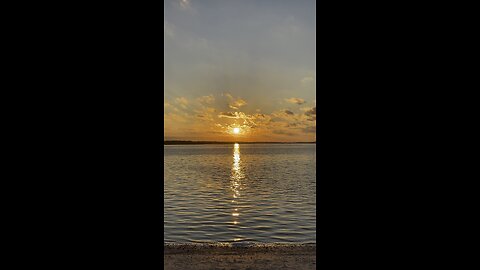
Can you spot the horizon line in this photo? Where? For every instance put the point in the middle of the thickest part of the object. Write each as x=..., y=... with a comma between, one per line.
x=189, y=141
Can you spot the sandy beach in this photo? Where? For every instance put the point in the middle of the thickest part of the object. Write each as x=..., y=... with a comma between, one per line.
x=227, y=256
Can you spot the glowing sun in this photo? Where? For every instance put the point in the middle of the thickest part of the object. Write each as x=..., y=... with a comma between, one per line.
x=236, y=130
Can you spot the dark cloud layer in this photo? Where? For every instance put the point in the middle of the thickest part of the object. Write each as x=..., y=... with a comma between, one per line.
x=312, y=114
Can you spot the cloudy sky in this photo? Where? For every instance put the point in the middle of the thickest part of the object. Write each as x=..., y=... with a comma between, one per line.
x=246, y=64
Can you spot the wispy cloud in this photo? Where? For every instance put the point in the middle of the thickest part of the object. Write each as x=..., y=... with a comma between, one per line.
x=185, y=4
x=234, y=115
x=210, y=110
x=295, y=100
x=167, y=106
x=206, y=113
x=228, y=115
x=173, y=117
x=307, y=80
x=235, y=103
x=183, y=102
x=206, y=99
x=283, y=132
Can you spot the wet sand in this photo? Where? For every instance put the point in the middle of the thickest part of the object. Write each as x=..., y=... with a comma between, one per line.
x=227, y=256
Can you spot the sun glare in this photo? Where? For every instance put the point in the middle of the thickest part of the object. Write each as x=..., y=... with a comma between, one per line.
x=236, y=130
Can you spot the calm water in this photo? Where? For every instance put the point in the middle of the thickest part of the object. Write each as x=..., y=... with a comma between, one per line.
x=240, y=192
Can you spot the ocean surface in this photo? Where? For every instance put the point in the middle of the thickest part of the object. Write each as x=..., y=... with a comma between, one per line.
x=240, y=193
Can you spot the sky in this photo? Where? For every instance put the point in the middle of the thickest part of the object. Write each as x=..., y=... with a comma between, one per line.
x=245, y=64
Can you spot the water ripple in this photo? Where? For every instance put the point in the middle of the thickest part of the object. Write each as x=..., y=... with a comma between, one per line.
x=240, y=193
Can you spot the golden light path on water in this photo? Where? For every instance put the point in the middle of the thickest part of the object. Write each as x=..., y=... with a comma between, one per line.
x=231, y=195
x=236, y=178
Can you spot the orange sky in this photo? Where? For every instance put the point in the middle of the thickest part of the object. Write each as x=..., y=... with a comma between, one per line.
x=203, y=119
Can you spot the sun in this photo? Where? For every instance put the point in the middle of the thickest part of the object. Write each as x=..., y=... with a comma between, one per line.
x=236, y=130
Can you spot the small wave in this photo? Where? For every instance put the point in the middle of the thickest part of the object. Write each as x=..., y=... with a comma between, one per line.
x=189, y=247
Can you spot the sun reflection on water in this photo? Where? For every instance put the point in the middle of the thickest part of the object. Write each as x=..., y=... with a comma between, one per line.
x=236, y=178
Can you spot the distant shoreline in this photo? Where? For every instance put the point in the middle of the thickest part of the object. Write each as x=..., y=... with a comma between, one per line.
x=213, y=142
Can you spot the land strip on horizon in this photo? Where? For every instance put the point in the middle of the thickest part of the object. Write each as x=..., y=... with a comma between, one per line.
x=215, y=142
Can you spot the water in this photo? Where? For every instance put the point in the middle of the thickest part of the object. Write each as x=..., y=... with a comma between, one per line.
x=260, y=193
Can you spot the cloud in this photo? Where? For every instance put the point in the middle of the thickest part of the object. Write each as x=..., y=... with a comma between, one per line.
x=245, y=121
x=283, y=115
x=283, y=132
x=205, y=113
x=210, y=110
x=235, y=104
x=312, y=111
x=235, y=115
x=276, y=119
x=312, y=114
x=172, y=117
x=206, y=99
x=228, y=115
x=185, y=4
x=294, y=100
x=168, y=106
x=182, y=102
x=307, y=80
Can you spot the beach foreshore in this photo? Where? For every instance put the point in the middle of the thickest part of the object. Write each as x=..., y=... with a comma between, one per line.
x=241, y=257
